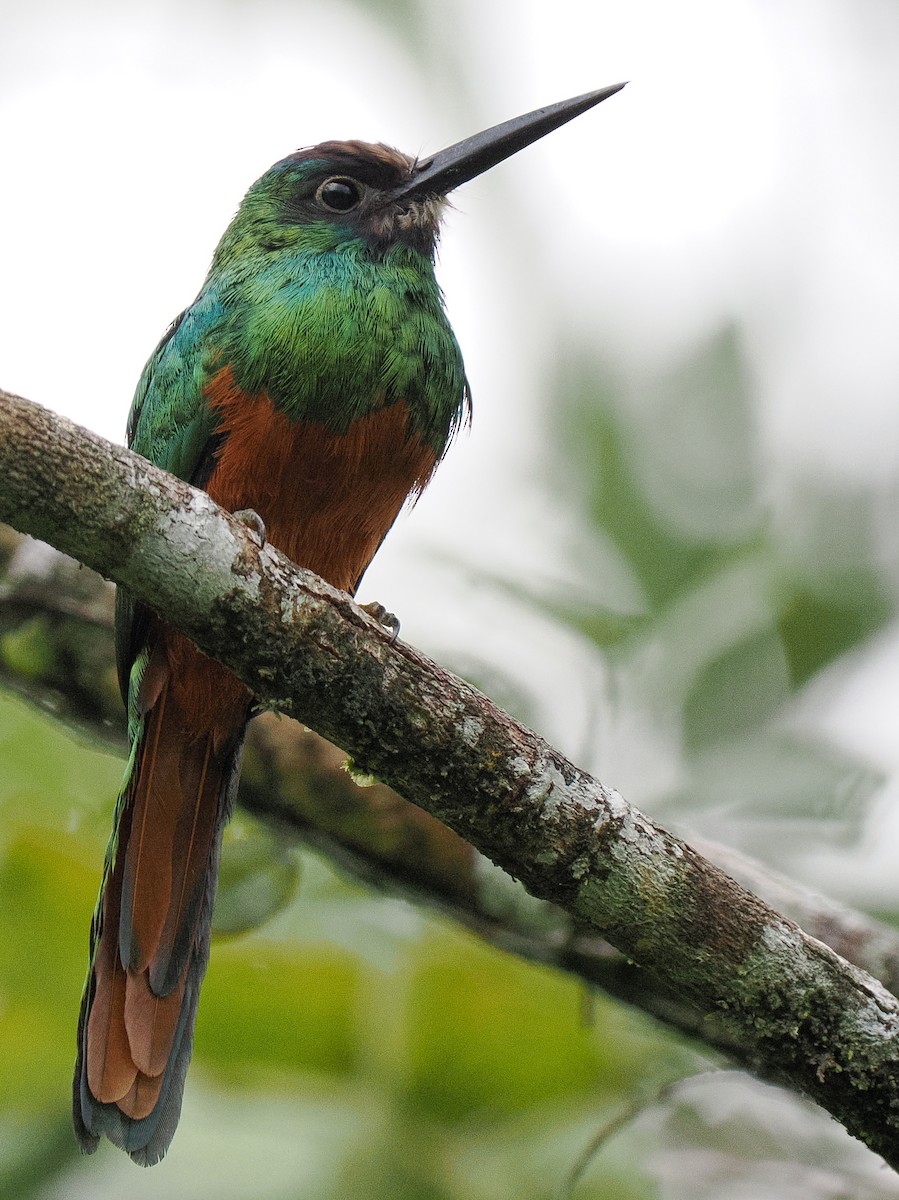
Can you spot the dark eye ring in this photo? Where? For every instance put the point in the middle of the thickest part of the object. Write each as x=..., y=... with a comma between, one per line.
x=339, y=194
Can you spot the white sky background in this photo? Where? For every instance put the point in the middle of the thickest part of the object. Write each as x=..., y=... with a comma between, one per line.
x=748, y=168
x=748, y=171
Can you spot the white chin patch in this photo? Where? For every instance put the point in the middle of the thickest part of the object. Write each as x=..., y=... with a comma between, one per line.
x=422, y=214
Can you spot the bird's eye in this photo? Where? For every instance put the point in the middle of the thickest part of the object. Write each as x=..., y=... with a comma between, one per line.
x=339, y=194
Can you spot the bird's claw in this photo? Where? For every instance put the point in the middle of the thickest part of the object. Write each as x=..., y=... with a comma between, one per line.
x=253, y=523
x=387, y=620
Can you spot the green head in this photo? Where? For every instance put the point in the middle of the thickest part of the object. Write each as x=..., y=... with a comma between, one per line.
x=327, y=196
x=322, y=291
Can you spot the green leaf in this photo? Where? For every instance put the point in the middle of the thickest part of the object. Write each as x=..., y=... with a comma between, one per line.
x=258, y=876
x=667, y=465
x=737, y=691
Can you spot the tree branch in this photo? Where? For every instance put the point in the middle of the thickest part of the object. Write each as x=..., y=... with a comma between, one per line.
x=794, y=1010
x=56, y=651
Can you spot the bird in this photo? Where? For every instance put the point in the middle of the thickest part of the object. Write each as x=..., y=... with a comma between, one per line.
x=313, y=387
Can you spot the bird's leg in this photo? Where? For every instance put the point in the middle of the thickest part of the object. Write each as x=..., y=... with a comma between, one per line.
x=254, y=524
x=387, y=620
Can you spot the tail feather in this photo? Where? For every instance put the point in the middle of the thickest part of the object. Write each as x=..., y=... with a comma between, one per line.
x=144, y=1138
x=150, y=1021
x=197, y=827
x=154, y=801
x=109, y=1067
x=150, y=935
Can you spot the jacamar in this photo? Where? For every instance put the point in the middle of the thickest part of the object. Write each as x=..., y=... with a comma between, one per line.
x=316, y=381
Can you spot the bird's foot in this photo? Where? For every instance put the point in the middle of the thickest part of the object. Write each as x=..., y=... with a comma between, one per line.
x=254, y=524
x=386, y=619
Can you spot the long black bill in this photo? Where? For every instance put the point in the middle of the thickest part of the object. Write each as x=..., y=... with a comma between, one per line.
x=439, y=174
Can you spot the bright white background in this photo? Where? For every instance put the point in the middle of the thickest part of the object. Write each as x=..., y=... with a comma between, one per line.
x=749, y=165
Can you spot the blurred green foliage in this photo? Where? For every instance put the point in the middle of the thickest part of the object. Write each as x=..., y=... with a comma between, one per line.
x=746, y=594
x=408, y=1056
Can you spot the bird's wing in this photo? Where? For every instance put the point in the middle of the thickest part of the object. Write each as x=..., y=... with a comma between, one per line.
x=171, y=424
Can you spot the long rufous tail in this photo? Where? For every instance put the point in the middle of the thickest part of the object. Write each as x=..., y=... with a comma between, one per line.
x=150, y=932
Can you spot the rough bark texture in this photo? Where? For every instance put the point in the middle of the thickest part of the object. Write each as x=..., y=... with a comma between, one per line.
x=56, y=651
x=798, y=1013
